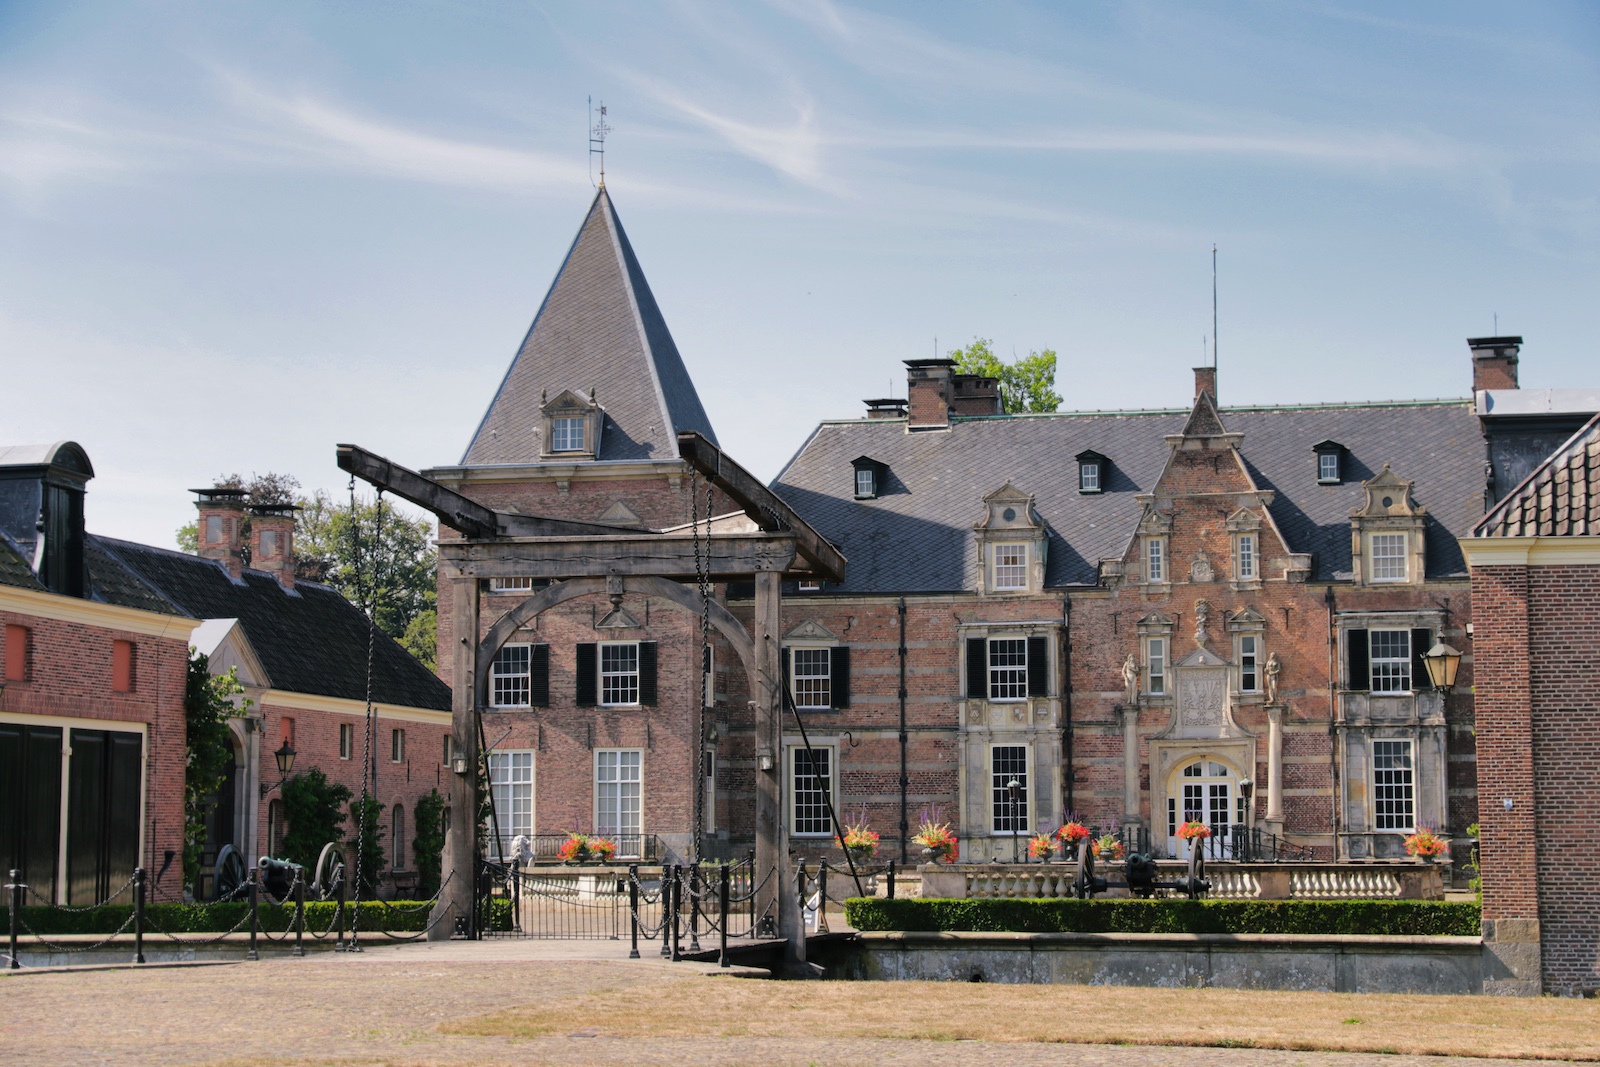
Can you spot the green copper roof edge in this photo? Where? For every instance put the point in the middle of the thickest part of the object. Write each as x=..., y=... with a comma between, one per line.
x=1241, y=409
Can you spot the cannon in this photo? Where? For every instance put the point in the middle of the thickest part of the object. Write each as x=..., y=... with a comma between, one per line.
x=1142, y=877
x=278, y=877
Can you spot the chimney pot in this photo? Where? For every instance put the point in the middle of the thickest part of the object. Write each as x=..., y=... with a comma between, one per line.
x=1205, y=381
x=220, y=527
x=272, y=541
x=930, y=391
x=1494, y=362
x=976, y=394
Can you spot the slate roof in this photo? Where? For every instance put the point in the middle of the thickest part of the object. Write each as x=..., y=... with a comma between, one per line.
x=313, y=643
x=917, y=535
x=598, y=328
x=14, y=569
x=1561, y=498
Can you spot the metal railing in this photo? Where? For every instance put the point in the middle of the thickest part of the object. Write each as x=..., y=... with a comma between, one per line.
x=546, y=849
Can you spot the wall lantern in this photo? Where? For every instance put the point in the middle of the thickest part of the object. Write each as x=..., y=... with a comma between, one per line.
x=285, y=760
x=1442, y=662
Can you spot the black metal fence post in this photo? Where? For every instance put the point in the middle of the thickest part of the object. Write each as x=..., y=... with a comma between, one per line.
x=822, y=897
x=138, y=915
x=891, y=880
x=14, y=916
x=338, y=912
x=664, y=895
x=677, y=907
x=722, y=910
x=255, y=890
x=299, y=912
x=633, y=907
x=694, y=906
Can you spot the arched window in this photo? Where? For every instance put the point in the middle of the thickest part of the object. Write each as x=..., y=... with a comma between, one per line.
x=397, y=837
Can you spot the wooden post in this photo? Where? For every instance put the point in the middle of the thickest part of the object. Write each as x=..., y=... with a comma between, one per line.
x=777, y=895
x=460, y=851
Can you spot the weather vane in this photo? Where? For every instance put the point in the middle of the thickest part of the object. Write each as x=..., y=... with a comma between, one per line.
x=597, y=141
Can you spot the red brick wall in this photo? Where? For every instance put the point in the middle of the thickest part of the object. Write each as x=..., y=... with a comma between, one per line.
x=70, y=675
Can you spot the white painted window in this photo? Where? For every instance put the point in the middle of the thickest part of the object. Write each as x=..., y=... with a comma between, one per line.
x=811, y=785
x=1156, y=666
x=1155, y=559
x=1011, y=566
x=1007, y=764
x=510, y=585
x=618, y=796
x=511, y=775
x=397, y=746
x=812, y=672
x=566, y=434
x=1008, y=668
x=347, y=740
x=1393, y=786
x=812, y=586
x=1388, y=557
x=509, y=685
x=1391, y=660
x=1089, y=477
x=709, y=662
x=1327, y=466
x=1249, y=666
x=866, y=482
x=1247, y=557
x=619, y=673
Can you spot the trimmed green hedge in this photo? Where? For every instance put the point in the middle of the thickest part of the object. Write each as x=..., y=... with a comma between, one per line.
x=1049, y=916
x=193, y=919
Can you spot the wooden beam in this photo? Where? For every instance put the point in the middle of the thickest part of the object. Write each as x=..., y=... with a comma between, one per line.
x=726, y=557
x=459, y=512
x=764, y=507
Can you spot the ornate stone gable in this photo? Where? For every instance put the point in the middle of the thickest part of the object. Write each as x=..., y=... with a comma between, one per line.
x=1387, y=539
x=1202, y=704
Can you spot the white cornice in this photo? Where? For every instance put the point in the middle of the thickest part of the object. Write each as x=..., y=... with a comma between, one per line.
x=94, y=613
x=286, y=698
x=1530, y=551
x=550, y=472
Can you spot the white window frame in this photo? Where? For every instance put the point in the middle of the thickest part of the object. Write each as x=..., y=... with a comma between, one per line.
x=1247, y=565
x=817, y=822
x=1249, y=663
x=511, y=585
x=1387, y=565
x=811, y=690
x=1396, y=669
x=1155, y=559
x=504, y=680
x=615, y=680
x=511, y=775
x=709, y=662
x=866, y=483
x=1010, y=567
x=562, y=431
x=1328, y=467
x=625, y=794
x=1156, y=666
x=347, y=740
x=397, y=745
x=1089, y=477
x=1001, y=813
x=1394, y=788
x=809, y=585
x=1007, y=683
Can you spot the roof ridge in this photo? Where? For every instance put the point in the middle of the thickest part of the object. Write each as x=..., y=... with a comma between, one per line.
x=1561, y=457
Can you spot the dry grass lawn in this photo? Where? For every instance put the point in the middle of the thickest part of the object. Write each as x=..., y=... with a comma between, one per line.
x=1546, y=1028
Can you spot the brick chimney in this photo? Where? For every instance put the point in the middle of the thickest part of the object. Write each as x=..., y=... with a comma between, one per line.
x=221, y=526
x=272, y=541
x=976, y=395
x=931, y=392
x=1494, y=362
x=1205, y=381
x=886, y=408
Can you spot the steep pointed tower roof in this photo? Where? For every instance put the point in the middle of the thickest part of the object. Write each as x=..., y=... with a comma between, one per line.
x=598, y=329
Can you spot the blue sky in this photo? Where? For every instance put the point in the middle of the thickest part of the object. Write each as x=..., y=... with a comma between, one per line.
x=234, y=235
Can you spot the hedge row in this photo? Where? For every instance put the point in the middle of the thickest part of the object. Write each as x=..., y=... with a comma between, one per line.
x=215, y=918
x=1166, y=916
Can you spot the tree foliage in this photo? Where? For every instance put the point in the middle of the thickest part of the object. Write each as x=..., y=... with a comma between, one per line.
x=207, y=707
x=427, y=842
x=1026, y=385
x=314, y=810
x=366, y=842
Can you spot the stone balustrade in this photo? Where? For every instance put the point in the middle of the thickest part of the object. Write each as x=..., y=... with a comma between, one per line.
x=1229, y=881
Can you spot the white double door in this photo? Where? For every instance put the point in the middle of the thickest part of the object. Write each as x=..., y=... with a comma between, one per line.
x=1203, y=791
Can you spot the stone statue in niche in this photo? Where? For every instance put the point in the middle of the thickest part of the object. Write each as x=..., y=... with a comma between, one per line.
x=1271, y=671
x=1202, y=620
x=1130, y=679
x=1200, y=569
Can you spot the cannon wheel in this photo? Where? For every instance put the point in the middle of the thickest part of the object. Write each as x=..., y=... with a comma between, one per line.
x=330, y=871
x=1083, y=883
x=228, y=875
x=1197, y=869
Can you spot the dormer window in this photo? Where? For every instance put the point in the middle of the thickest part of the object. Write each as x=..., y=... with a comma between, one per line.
x=1388, y=545
x=869, y=477
x=566, y=434
x=1091, y=472
x=1330, y=462
x=1012, y=543
x=1010, y=567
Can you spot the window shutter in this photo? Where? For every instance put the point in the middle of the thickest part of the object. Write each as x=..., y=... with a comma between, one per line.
x=588, y=688
x=539, y=676
x=647, y=672
x=1038, y=666
x=1421, y=641
x=977, y=668
x=786, y=698
x=839, y=668
x=1357, y=667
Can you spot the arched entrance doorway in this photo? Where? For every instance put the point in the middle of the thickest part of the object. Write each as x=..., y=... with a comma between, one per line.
x=1205, y=790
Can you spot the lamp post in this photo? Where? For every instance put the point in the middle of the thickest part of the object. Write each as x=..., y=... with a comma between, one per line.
x=1014, y=787
x=1247, y=788
x=285, y=760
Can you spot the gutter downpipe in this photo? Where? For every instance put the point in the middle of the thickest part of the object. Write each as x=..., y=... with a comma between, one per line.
x=905, y=778
x=1335, y=720
x=1066, y=697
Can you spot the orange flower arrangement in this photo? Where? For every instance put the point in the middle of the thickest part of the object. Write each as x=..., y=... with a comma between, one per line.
x=1193, y=830
x=1040, y=846
x=1107, y=848
x=1073, y=832
x=1425, y=844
